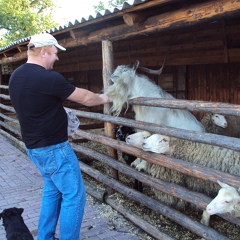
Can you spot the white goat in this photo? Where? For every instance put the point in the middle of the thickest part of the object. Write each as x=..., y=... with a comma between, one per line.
x=227, y=201
x=136, y=140
x=128, y=85
x=215, y=157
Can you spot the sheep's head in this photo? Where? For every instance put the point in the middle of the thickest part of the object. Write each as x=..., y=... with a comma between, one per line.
x=121, y=132
x=225, y=201
x=137, y=139
x=219, y=120
x=157, y=143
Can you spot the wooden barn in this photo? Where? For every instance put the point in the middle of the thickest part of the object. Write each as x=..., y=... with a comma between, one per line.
x=200, y=44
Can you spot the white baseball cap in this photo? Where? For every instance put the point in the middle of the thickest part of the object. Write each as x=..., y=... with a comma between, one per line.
x=42, y=40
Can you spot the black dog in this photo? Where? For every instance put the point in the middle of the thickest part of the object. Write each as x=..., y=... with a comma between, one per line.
x=14, y=225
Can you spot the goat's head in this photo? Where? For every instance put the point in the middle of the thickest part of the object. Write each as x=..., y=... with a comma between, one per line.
x=119, y=92
x=124, y=78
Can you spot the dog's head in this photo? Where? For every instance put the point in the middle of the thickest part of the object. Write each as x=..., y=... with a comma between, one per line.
x=10, y=212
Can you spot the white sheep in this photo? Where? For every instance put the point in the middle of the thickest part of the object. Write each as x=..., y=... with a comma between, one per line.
x=136, y=140
x=226, y=201
x=215, y=157
x=222, y=125
x=213, y=122
x=128, y=85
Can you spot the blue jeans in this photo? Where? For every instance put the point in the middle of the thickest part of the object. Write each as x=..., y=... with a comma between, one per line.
x=63, y=192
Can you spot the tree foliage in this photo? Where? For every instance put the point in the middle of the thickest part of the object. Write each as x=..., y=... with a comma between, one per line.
x=111, y=3
x=23, y=18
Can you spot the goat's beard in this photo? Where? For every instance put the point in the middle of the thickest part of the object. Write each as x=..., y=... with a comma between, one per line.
x=118, y=94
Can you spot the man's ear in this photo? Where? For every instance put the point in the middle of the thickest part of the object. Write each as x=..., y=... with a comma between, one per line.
x=43, y=52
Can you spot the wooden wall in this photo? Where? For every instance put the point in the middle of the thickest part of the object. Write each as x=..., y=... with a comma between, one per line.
x=214, y=83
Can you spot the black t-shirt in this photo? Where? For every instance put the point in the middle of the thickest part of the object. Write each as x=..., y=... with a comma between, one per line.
x=37, y=96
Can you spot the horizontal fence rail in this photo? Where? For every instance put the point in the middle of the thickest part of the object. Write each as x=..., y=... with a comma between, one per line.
x=191, y=105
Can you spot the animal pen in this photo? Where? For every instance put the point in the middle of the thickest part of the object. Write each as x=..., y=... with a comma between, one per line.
x=200, y=43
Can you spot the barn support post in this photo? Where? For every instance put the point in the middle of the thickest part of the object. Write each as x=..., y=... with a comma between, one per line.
x=108, y=66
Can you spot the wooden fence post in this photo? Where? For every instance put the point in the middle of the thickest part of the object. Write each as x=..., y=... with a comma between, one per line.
x=108, y=66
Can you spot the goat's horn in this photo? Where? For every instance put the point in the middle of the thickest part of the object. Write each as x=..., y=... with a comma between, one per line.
x=151, y=71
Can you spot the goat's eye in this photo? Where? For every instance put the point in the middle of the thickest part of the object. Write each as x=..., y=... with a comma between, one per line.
x=227, y=202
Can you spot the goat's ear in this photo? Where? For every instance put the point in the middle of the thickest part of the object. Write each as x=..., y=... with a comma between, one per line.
x=135, y=66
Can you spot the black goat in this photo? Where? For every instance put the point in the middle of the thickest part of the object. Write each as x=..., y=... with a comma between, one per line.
x=121, y=133
x=14, y=225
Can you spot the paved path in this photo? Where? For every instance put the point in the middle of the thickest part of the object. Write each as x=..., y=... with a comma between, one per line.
x=21, y=186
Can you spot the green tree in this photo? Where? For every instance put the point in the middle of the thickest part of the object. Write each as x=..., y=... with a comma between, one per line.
x=110, y=4
x=23, y=18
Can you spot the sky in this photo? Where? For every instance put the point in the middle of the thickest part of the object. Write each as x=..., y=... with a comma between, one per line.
x=74, y=9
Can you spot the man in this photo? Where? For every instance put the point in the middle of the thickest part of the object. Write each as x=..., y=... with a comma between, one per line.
x=37, y=94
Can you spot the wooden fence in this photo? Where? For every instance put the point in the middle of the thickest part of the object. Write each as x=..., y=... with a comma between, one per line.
x=114, y=166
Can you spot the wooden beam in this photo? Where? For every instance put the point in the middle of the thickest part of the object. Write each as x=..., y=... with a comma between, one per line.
x=207, y=11
x=130, y=19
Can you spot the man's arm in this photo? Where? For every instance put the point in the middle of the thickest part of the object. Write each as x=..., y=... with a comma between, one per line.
x=87, y=97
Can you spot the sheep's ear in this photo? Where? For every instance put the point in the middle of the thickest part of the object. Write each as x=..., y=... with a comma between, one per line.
x=222, y=184
x=135, y=66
